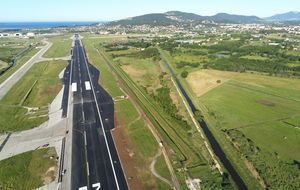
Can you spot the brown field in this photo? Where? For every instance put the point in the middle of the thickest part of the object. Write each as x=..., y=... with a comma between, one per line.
x=203, y=81
x=133, y=71
x=3, y=64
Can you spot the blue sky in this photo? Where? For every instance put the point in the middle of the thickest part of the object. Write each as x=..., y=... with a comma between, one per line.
x=97, y=10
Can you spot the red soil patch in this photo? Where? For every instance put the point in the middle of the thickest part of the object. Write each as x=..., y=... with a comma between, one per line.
x=129, y=162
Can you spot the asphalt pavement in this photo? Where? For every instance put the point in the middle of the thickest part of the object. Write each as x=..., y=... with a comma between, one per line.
x=95, y=162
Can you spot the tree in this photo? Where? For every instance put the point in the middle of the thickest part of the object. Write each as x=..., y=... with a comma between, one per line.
x=184, y=74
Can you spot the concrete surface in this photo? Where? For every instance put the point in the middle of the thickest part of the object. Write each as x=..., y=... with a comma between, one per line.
x=50, y=132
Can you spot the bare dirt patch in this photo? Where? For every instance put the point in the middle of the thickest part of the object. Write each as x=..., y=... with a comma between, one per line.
x=174, y=98
x=255, y=173
x=266, y=103
x=205, y=80
x=49, y=175
x=3, y=64
x=130, y=163
x=133, y=72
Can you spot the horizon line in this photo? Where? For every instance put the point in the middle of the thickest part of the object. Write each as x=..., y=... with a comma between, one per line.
x=115, y=19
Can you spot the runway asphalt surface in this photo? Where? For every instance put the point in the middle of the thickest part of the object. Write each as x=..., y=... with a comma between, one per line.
x=95, y=161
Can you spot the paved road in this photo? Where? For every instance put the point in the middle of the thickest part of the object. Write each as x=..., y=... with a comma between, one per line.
x=6, y=85
x=95, y=160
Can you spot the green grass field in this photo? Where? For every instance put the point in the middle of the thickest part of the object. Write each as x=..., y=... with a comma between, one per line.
x=256, y=109
x=29, y=170
x=20, y=61
x=61, y=46
x=161, y=169
x=189, y=57
x=10, y=47
x=254, y=57
x=37, y=88
x=46, y=88
x=136, y=129
x=7, y=53
x=265, y=112
x=235, y=160
x=183, y=56
x=144, y=72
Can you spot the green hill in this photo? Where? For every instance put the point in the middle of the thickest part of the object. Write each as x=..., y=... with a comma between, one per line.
x=177, y=17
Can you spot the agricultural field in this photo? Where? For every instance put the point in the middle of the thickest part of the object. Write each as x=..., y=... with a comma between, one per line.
x=19, y=62
x=15, y=48
x=29, y=170
x=61, y=46
x=259, y=116
x=141, y=66
x=11, y=47
x=135, y=144
x=238, y=101
x=274, y=54
x=26, y=107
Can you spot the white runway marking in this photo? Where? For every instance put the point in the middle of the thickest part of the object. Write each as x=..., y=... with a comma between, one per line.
x=87, y=85
x=97, y=185
x=74, y=87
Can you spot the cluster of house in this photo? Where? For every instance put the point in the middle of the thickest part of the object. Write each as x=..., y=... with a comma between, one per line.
x=292, y=29
x=18, y=35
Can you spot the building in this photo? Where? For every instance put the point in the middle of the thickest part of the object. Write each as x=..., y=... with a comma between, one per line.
x=17, y=34
x=30, y=35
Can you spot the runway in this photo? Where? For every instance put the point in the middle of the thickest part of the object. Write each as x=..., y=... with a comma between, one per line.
x=95, y=162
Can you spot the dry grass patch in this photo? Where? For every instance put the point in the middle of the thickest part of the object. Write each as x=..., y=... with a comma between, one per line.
x=133, y=72
x=203, y=81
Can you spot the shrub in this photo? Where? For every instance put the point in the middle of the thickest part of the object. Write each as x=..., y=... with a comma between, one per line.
x=198, y=115
x=184, y=74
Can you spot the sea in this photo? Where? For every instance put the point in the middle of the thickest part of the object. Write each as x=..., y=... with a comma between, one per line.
x=39, y=25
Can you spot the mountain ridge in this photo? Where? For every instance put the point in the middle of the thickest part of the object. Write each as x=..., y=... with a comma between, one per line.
x=179, y=17
x=288, y=16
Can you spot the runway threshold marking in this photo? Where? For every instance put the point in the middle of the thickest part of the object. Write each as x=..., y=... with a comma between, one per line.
x=74, y=87
x=87, y=85
x=83, y=188
x=96, y=186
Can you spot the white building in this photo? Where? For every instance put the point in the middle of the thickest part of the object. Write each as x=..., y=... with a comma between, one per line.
x=30, y=34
